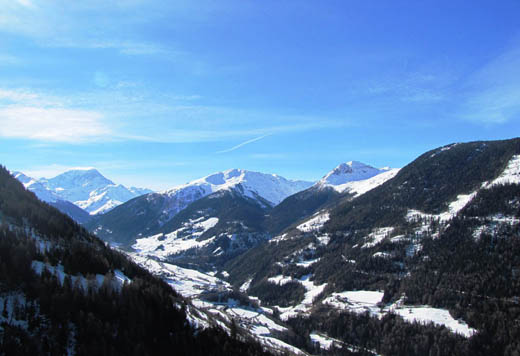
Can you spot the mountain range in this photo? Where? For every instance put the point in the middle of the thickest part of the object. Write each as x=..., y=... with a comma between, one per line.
x=86, y=188
x=428, y=245
x=64, y=292
x=413, y=261
x=215, y=218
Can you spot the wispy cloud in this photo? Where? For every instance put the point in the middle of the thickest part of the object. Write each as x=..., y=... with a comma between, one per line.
x=410, y=88
x=132, y=114
x=127, y=47
x=51, y=170
x=6, y=59
x=243, y=144
x=17, y=95
x=51, y=124
x=423, y=96
x=25, y=114
x=45, y=171
x=62, y=25
x=26, y=3
x=492, y=94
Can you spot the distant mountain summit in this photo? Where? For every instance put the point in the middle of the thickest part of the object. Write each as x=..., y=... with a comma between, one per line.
x=355, y=177
x=348, y=180
x=76, y=184
x=230, y=194
x=84, y=187
x=35, y=186
x=348, y=172
x=265, y=188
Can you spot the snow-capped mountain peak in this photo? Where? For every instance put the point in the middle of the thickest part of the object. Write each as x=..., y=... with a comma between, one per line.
x=22, y=177
x=255, y=185
x=85, y=187
x=79, y=182
x=35, y=186
x=349, y=172
x=355, y=177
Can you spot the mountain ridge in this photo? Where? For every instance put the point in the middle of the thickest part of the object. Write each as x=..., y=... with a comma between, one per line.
x=86, y=188
x=146, y=215
x=438, y=242
x=72, y=294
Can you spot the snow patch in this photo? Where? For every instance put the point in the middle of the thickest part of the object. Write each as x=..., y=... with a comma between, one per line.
x=244, y=287
x=315, y=223
x=426, y=314
x=453, y=209
x=376, y=236
x=312, y=291
x=382, y=255
x=367, y=301
x=443, y=149
x=493, y=223
x=117, y=280
x=325, y=342
x=308, y=263
x=189, y=283
x=182, y=239
x=280, y=280
x=510, y=175
x=361, y=187
x=323, y=239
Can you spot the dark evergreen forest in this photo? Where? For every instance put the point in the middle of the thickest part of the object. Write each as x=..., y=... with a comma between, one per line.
x=144, y=317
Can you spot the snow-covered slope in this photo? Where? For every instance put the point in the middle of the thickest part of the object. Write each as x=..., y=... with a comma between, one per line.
x=86, y=188
x=35, y=186
x=360, y=187
x=355, y=177
x=76, y=184
x=265, y=188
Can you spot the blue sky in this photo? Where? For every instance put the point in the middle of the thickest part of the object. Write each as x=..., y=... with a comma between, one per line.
x=157, y=93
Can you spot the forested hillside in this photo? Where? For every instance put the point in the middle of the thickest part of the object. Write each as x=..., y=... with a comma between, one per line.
x=63, y=291
x=441, y=238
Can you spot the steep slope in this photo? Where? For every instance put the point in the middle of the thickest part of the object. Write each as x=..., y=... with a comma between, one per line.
x=38, y=188
x=46, y=195
x=86, y=188
x=344, y=173
x=147, y=215
x=429, y=184
x=347, y=180
x=432, y=188
x=76, y=213
x=298, y=207
x=73, y=295
x=76, y=184
x=208, y=232
x=437, y=243
x=268, y=189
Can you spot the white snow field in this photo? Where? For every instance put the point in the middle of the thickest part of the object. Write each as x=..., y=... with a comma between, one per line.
x=349, y=172
x=188, y=282
x=367, y=301
x=162, y=245
x=315, y=223
x=511, y=174
x=312, y=291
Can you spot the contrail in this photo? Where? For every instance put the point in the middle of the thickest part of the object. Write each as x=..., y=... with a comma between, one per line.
x=243, y=144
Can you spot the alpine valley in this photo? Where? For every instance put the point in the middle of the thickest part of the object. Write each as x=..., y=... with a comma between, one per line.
x=422, y=260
